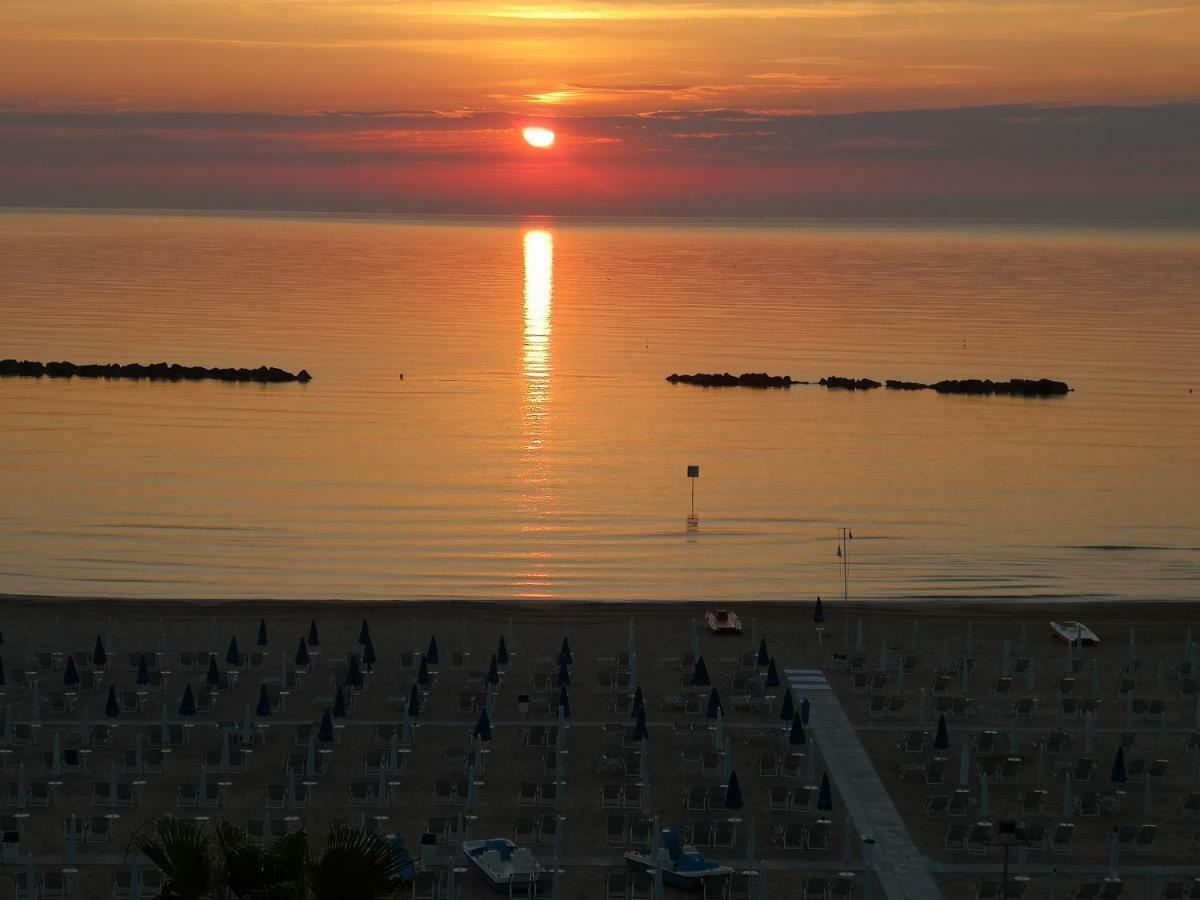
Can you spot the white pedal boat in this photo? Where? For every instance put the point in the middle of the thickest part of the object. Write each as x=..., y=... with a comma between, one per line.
x=502, y=863
x=1074, y=633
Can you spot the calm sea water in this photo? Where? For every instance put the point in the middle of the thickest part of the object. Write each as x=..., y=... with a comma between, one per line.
x=532, y=448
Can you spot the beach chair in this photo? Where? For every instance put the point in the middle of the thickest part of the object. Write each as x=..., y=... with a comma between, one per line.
x=547, y=793
x=777, y=798
x=818, y=834
x=961, y=803
x=979, y=837
x=359, y=792
x=524, y=830
x=631, y=796
x=815, y=888
x=701, y=833
x=1061, y=840
x=937, y=807
x=99, y=830
x=793, y=836
x=639, y=831
x=955, y=837
x=614, y=835
x=1034, y=835
x=711, y=764
x=1143, y=842
x=122, y=884
x=1031, y=802
x=187, y=795
x=912, y=742
x=768, y=765
x=935, y=772
x=987, y=889
x=547, y=828
x=616, y=884
x=443, y=792
x=792, y=766
x=610, y=796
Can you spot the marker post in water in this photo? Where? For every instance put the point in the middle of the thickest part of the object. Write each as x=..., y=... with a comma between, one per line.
x=693, y=472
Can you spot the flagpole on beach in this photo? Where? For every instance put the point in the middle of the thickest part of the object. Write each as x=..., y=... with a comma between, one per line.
x=843, y=552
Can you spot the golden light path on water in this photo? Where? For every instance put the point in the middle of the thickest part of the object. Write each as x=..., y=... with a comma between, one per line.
x=534, y=581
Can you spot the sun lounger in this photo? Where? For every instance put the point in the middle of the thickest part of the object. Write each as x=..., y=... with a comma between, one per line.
x=1064, y=835
x=815, y=888
x=955, y=837
x=615, y=833
x=979, y=837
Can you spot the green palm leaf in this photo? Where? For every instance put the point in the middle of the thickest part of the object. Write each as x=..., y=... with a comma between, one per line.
x=353, y=866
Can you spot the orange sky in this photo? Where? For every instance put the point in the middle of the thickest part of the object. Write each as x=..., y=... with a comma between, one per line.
x=596, y=68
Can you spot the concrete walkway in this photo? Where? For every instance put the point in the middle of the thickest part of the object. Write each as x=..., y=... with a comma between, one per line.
x=902, y=870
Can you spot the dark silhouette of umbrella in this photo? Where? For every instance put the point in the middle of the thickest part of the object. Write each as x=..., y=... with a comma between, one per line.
x=483, y=728
x=302, y=653
x=502, y=652
x=1119, y=775
x=414, y=701
x=364, y=632
x=640, y=731
x=354, y=676
x=805, y=710
x=493, y=672
x=700, y=674
x=99, y=657
x=733, y=793
x=325, y=732
x=70, y=675
x=772, y=673
x=714, y=704
x=564, y=674
x=3, y=680
x=564, y=654
x=825, y=795
x=262, y=632
x=638, y=708
x=339, y=704
x=423, y=677
x=143, y=672
x=213, y=676
x=788, y=707
x=314, y=639
x=564, y=702
x=369, y=656
x=232, y=655
x=187, y=706
x=763, y=658
x=796, y=737
x=112, y=708
x=432, y=653
x=941, y=740
x=819, y=613
x=264, y=702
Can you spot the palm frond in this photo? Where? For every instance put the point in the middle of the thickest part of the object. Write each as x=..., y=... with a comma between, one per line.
x=353, y=864
x=180, y=850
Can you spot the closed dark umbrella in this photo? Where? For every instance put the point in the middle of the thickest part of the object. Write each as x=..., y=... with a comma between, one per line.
x=825, y=795
x=638, y=707
x=187, y=706
x=819, y=613
x=564, y=653
x=796, y=737
x=70, y=676
x=143, y=672
x=369, y=656
x=483, y=728
x=941, y=740
x=714, y=705
x=432, y=653
x=99, y=657
x=493, y=672
x=564, y=674
x=772, y=673
x=640, y=731
x=1119, y=775
x=700, y=674
x=763, y=658
x=212, y=677
x=788, y=707
x=354, y=676
x=302, y=653
x=314, y=639
x=364, y=632
x=564, y=702
x=423, y=677
x=502, y=652
x=264, y=702
x=805, y=710
x=232, y=655
x=112, y=708
x=3, y=680
x=339, y=704
x=325, y=732
x=414, y=701
x=262, y=632
x=733, y=793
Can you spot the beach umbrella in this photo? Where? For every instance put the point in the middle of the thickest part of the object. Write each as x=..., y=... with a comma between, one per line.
x=369, y=657
x=339, y=703
x=262, y=632
x=772, y=674
x=805, y=710
x=264, y=702
x=432, y=653
x=325, y=732
x=714, y=705
x=763, y=658
x=225, y=751
x=564, y=702
x=700, y=674
x=502, y=652
x=733, y=793
x=1148, y=800
x=302, y=658
x=143, y=671
x=483, y=728
x=1132, y=649
x=883, y=653
x=1068, y=805
x=640, y=732
x=1089, y=732
x=1119, y=775
x=719, y=731
x=969, y=643
x=493, y=673
x=564, y=673
x=31, y=889
x=638, y=707
x=56, y=756
x=913, y=640
x=819, y=613
x=354, y=677
x=99, y=657
x=423, y=677
x=232, y=656
x=564, y=653
x=314, y=639
x=985, y=802
x=858, y=637
x=21, y=791
x=187, y=706
x=364, y=632
x=796, y=737
x=1030, y=677
x=1041, y=770
x=825, y=795
x=112, y=708
x=788, y=707
x=3, y=680
x=941, y=741
x=414, y=701
x=964, y=765
x=213, y=676
x=70, y=674
x=35, y=705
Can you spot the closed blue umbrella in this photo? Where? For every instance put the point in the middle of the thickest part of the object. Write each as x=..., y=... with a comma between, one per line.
x=733, y=793
x=70, y=675
x=187, y=706
x=339, y=704
x=640, y=732
x=700, y=674
x=564, y=674
x=212, y=677
x=788, y=707
x=493, y=672
x=354, y=676
x=796, y=736
x=941, y=740
x=302, y=658
x=564, y=653
x=369, y=656
x=232, y=655
x=264, y=702
x=314, y=639
x=414, y=701
x=262, y=632
x=763, y=658
x=364, y=632
x=564, y=702
x=432, y=653
x=483, y=728
x=423, y=677
x=805, y=710
x=99, y=657
x=772, y=674
x=1119, y=775
x=825, y=795
x=112, y=708
x=714, y=704
x=143, y=672
x=325, y=732
x=638, y=708
x=819, y=613
x=502, y=652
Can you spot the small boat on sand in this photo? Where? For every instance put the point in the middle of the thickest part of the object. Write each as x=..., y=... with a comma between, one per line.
x=723, y=621
x=502, y=863
x=1074, y=633
x=681, y=866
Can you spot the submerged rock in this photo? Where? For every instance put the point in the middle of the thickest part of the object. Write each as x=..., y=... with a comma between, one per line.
x=725, y=379
x=160, y=371
x=849, y=384
x=1041, y=387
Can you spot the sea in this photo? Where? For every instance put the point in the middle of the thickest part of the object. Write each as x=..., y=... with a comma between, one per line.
x=488, y=415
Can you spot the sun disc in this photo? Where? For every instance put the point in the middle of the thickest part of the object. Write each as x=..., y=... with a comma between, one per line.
x=538, y=137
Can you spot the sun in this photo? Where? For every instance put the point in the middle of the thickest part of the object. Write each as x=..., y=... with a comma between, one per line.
x=538, y=137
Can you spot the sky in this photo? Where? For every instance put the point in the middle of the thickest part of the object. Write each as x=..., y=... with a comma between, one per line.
x=698, y=107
